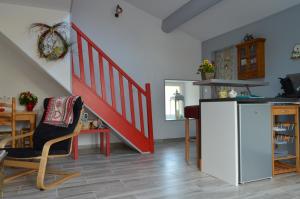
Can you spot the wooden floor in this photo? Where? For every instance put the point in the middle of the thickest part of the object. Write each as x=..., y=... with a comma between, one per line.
x=129, y=175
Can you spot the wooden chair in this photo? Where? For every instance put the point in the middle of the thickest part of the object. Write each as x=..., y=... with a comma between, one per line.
x=8, y=119
x=48, y=142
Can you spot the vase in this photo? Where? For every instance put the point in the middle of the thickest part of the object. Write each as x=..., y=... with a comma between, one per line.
x=30, y=106
x=209, y=76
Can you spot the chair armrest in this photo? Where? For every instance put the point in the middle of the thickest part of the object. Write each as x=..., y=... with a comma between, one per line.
x=48, y=144
x=4, y=142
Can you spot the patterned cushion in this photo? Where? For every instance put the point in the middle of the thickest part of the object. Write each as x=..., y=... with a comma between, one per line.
x=59, y=111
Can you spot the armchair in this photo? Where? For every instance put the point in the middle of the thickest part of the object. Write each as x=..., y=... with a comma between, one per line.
x=48, y=142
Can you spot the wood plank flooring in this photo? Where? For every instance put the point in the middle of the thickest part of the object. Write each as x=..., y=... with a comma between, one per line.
x=129, y=175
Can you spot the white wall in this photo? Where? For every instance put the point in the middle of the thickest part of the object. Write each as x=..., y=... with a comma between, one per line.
x=18, y=73
x=15, y=22
x=135, y=41
x=192, y=93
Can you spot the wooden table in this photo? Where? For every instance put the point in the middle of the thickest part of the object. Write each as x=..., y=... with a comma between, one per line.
x=24, y=116
x=102, y=132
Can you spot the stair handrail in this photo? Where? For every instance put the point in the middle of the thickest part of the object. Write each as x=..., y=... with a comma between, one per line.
x=83, y=35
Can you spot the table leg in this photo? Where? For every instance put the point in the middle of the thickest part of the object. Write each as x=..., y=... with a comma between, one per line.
x=32, y=127
x=101, y=143
x=75, y=148
x=13, y=135
x=187, y=139
x=107, y=144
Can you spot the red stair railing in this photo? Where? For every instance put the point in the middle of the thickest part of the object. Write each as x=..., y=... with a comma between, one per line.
x=113, y=69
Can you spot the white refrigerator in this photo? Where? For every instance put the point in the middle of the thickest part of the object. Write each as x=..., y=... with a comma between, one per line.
x=255, y=142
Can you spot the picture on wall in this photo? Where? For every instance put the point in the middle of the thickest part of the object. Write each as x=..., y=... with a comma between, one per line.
x=296, y=52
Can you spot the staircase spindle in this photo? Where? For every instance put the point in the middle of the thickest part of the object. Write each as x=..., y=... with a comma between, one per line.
x=92, y=71
x=102, y=79
x=141, y=112
x=72, y=64
x=80, y=57
x=112, y=86
x=131, y=104
x=122, y=95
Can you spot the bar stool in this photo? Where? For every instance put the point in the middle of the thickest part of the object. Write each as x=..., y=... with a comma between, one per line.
x=192, y=112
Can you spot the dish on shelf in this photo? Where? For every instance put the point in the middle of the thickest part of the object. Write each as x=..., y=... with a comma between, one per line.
x=280, y=153
x=287, y=157
x=280, y=142
x=279, y=129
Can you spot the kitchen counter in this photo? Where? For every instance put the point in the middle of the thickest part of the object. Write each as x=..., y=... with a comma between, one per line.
x=223, y=121
x=253, y=100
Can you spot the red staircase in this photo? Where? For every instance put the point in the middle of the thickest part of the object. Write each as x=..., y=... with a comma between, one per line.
x=112, y=94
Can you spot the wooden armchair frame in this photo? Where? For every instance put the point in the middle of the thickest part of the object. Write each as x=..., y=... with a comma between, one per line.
x=40, y=163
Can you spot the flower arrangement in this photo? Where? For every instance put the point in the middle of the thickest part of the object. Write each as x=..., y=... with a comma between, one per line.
x=206, y=67
x=26, y=98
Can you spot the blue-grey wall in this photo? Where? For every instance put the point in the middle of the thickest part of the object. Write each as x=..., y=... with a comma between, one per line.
x=282, y=32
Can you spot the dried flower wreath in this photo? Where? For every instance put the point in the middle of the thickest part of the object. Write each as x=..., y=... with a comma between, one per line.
x=53, y=41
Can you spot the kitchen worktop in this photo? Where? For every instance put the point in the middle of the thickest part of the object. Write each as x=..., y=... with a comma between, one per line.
x=253, y=100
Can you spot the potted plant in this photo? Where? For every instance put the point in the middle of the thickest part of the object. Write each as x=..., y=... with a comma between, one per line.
x=207, y=70
x=28, y=99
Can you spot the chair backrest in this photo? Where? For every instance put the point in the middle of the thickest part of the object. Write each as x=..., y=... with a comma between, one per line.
x=45, y=132
x=9, y=118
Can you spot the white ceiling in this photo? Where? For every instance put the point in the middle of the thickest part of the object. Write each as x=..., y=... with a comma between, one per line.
x=64, y=5
x=221, y=18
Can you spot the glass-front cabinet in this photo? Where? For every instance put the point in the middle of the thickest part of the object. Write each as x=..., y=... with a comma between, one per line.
x=251, y=59
x=285, y=139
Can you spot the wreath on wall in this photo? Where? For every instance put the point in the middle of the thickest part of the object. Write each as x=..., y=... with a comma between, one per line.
x=53, y=42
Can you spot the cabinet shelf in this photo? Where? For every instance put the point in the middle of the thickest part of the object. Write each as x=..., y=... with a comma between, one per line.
x=281, y=168
x=288, y=157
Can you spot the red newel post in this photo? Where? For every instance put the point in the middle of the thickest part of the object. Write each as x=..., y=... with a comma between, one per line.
x=149, y=117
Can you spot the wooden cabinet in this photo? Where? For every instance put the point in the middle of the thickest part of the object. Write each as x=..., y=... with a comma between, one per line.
x=285, y=139
x=251, y=59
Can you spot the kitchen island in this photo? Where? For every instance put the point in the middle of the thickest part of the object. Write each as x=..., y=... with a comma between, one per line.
x=236, y=138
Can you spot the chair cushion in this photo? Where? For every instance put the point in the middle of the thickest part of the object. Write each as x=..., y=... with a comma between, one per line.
x=29, y=152
x=45, y=132
x=192, y=112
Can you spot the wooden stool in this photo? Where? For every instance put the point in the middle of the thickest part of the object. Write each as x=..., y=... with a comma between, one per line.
x=192, y=112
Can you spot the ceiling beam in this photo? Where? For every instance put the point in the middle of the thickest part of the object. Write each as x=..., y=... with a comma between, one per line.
x=186, y=13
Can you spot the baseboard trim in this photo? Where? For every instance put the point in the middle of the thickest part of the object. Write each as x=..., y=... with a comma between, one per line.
x=118, y=145
x=170, y=140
